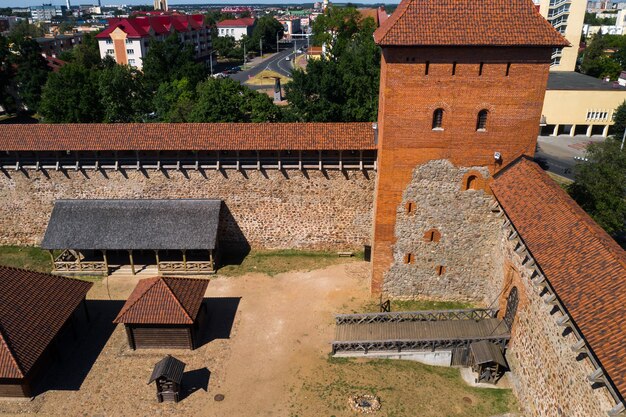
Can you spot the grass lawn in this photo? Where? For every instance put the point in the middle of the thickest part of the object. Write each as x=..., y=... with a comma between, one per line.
x=405, y=388
x=266, y=77
x=27, y=257
x=279, y=261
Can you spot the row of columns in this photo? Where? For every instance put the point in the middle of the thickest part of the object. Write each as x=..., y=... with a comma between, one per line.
x=572, y=131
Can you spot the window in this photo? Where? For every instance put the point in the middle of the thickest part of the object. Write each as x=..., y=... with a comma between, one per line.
x=409, y=258
x=130, y=51
x=440, y=270
x=129, y=41
x=438, y=119
x=508, y=68
x=471, y=183
x=481, y=120
x=427, y=68
x=131, y=62
x=410, y=207
x=454, y=68
x=110, y=51
x=432, y=235
x=480, y=68
x=109, y=41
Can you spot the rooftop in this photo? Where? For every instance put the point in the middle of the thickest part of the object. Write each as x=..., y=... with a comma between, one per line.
x=162, y=300
x=33, y=308
x=187, y=137
x=237, y=23
x=133, y=225
x=583, y=264
x=468, y=23
x=145, y=26
x=570, y=80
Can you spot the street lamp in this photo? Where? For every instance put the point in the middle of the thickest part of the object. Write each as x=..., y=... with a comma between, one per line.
x=211, y=60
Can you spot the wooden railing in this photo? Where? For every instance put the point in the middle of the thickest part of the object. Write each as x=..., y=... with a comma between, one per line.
x=435, y=315
x=64, y=266
x=186, y=267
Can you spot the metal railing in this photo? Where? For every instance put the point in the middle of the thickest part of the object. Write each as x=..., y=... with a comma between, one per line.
x=401, y=316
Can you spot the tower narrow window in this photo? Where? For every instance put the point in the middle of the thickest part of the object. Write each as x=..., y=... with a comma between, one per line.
x=438, y=119
x=508, y=68
x=480, y=68
x=427, y=68
x=471, y=183
x=440, y=270
x=432, y=235
x=454, y=68
x=481, y=120
x=409, y=258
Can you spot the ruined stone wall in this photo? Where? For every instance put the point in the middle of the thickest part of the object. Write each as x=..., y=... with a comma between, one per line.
x=549, y=378
x=268, y=209
x=468, y=237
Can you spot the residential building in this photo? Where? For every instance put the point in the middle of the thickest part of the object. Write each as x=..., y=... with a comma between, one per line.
x=46, y=12
x=291, y=25
x=53, y=46
x=236, y=28
x=160, y=5
x=127, y=40
x=567, y=17
x=577, y=104
x=7, y=22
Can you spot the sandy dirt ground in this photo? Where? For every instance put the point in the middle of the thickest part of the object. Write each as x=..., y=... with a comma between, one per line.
x=264, y=333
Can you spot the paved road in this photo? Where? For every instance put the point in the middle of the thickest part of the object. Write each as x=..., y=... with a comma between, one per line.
x=557, y=154
x=276, y=63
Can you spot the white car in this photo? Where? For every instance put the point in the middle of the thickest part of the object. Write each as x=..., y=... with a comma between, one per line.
x=287, y=59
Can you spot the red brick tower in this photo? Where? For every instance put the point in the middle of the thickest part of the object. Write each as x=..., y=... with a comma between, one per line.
x=461, y=80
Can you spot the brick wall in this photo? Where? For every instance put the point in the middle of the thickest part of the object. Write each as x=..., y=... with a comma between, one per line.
x=271, y=209
x=408, y=97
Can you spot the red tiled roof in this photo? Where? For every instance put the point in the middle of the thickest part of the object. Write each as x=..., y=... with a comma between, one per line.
x=467, y=22
x=237, y=23
x=162, y=300
x=187, y=137
x=584, y=266
x=141, y=27
x=33, y=308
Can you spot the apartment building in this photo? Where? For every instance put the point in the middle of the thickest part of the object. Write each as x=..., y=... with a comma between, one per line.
x=567, y=17
x=46, y=12
x=127, y=39
x=236, y=28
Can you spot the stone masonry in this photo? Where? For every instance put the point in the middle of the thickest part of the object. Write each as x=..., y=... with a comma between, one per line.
x=468, y=231
x=265, y=209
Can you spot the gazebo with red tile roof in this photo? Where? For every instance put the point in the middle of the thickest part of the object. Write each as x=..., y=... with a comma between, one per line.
x=164, y=312
x=35, y=309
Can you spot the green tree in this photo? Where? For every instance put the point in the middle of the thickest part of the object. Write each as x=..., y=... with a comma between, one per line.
x=595, y=62
x=71, y=96
x=600, y=185
x=171, y=60
x=122, y=94
x=620, y=120
x=7, y=101
x=342, y=86
x=23, y=29
x=225, y=100
x=31, y=73
x=174, y=101
x=226, y=47
x=266, y=30
x=66, y=27
x=87, y=54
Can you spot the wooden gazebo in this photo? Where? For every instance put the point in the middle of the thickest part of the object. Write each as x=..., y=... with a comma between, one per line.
x=35, y=312
x=165, y=312
x=178, y=236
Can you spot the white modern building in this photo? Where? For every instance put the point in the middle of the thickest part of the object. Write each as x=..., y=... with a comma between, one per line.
x=236, y=28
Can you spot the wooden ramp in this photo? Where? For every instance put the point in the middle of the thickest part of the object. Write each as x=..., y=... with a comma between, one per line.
x=418, y=330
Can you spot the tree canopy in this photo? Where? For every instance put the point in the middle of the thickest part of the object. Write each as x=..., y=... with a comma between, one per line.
x=600, y=185
x=266, y=30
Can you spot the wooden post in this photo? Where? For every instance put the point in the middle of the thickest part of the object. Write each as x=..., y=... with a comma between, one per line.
x=54, y=265
x=106, y=262
x=132, y=262
x=78, y=260
x=156, y=254
x=184, y=260
x=211, y=261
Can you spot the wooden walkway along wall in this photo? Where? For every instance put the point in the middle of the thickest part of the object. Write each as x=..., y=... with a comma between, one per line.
x=441, y=330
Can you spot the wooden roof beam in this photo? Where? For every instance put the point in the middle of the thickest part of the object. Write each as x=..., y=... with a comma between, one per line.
x=619, y=409
x=597, y=377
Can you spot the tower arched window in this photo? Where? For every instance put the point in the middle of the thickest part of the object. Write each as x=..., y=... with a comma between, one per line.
x=438, y=119
x=481, y=120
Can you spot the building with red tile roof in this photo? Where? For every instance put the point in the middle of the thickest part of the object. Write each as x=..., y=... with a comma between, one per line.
x=34, y=309
x=127, y=39
x=164, y=312
x=236, y=28
x=583, y=265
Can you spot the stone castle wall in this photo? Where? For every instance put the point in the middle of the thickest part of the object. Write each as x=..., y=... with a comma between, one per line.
x=265, y=209
x=468, y=231
x=549, y=378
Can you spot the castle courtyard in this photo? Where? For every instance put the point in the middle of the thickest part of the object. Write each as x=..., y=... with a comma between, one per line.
x=265, y=350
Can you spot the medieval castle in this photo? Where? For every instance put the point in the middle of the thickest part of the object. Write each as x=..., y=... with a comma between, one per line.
x=443, y=188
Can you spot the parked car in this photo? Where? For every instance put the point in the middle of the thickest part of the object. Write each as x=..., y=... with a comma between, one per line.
x=287, y=59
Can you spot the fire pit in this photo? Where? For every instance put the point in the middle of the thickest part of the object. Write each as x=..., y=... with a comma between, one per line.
x=364, y=403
